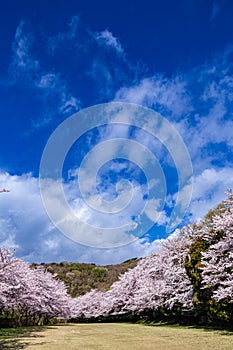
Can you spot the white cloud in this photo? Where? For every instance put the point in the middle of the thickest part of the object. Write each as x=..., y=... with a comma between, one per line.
x=26, y=227
x=91, y=220
x=22, y=216
x=159, y=93
x=48, y=81
x=209, y=188
x=155, y=213
x=69, y=104
x=109, y=40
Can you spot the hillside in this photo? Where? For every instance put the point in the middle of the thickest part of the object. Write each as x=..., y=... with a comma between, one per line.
x=81, y=278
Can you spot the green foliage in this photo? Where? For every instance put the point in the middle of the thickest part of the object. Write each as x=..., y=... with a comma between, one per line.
x=206, y=309
x=6, y=321
x=80, y=278
x=193, y=262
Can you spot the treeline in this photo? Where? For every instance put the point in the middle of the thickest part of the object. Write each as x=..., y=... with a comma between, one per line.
x=189, y=280
x=34, y=294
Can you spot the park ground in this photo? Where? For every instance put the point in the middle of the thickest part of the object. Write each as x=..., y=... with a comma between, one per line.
x=117, y=336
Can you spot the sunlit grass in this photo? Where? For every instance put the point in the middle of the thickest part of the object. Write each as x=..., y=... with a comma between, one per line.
x=119, y=336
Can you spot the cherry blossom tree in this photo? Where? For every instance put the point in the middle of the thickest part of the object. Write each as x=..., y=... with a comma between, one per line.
x=30, y=295
x=88, y=305
x=158, y=281
x=217, y=270
x=164, y=282
x=209, y=265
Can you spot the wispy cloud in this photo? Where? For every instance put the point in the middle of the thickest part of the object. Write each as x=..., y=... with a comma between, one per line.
x=52, y=84
x=162, y=94
x=29, y=68
x=215, y=11
x=199, y=104
x=55, y=42
x=28, y=71
x=107, y=39
x=103, y=78
x=22, y=60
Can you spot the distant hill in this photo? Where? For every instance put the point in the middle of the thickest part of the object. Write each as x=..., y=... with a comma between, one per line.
x=80, y=278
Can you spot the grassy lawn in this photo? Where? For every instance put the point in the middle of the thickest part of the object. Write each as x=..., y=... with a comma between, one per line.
x=121, y=336
x=11, y=338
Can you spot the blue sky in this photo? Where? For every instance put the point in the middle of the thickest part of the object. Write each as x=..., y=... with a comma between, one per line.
x=60, y=58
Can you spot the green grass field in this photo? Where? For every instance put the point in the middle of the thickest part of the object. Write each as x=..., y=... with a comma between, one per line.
x=117, y=336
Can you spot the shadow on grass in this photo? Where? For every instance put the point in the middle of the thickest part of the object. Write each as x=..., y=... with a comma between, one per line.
x=11, y=338
x=221, y=331
x=13, y=344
